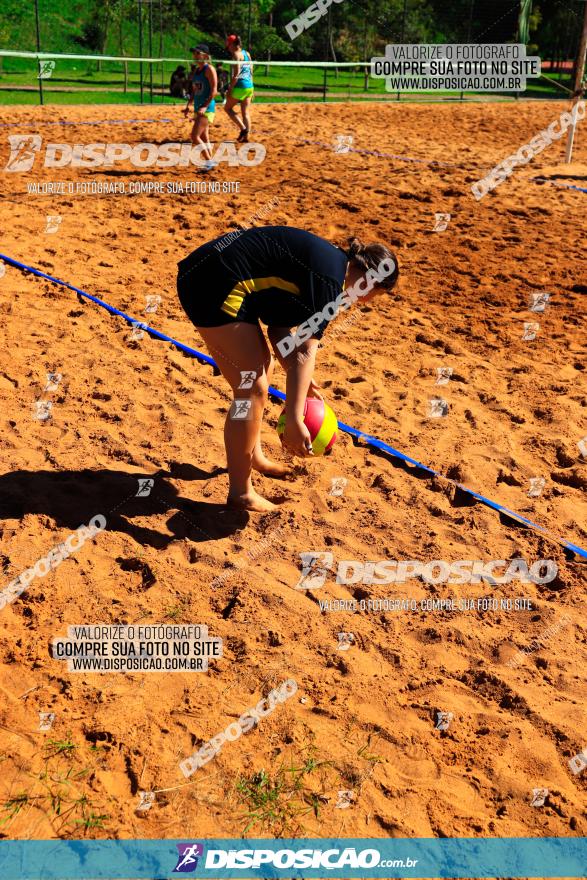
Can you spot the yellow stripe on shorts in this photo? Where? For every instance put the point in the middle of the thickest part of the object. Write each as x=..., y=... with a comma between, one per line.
x=234, y=300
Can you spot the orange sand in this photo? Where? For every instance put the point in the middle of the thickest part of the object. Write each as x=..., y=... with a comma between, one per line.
x=516, y=410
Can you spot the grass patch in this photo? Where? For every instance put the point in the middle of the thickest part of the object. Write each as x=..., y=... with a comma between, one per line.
x=57, y=790
x=277, y=802
x=13, y=806
x=55, y=747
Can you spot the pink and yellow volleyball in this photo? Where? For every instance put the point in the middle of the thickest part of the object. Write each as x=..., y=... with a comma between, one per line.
x=320, y=422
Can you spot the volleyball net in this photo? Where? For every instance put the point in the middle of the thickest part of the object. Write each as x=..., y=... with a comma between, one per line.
x=54, y=78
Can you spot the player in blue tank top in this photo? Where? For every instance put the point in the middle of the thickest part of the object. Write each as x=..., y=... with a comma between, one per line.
x=204, y=86
x=241, y=87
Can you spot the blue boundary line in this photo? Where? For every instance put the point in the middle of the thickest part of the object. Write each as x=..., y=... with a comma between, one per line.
x=368, y=152
x=104, y=122
x=382, y=155
x=359, y=436
x=556, y=183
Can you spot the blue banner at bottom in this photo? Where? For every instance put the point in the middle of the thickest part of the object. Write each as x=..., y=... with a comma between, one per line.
x=342, y=857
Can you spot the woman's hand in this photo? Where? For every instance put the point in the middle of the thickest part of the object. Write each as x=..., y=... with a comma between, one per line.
x=314, y=390
x=296, y=437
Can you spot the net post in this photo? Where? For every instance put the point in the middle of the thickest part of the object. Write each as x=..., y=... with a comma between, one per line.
x=578, y=86
x=140, y=10
x=41, y=99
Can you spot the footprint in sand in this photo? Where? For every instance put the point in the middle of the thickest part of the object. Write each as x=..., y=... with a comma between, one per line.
x=414, y=766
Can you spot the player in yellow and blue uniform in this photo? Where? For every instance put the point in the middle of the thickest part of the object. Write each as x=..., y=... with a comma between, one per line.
x=204, y=86
x=241, y=87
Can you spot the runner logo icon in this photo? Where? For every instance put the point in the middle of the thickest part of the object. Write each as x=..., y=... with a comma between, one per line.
x=188, y=855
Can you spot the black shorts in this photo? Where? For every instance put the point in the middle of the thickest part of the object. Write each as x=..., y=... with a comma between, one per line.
x=275, y=275
x=203, y=307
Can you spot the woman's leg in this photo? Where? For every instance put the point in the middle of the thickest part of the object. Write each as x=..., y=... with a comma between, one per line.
x=241, y=348
x=261, y=463
x=229, y=106
x=206, y=139
x=200, y=135
x=246, y=112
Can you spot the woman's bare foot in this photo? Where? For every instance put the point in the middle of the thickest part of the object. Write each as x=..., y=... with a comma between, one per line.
x=251, y=501
x=270, y=468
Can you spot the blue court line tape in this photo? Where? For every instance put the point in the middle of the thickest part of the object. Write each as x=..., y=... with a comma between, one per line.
x=371, y=152
x=103, y=122
x=359, y=436
x=556, y=183
x=386, y=155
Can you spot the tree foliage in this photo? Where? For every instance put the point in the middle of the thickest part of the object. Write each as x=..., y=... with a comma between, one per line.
x=352, y=29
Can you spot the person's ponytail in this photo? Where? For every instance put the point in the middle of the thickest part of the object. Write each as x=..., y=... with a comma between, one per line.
x=371, y=256
x=355, y=249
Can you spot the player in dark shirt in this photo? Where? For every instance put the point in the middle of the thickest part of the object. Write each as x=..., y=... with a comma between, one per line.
x=285, y=278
